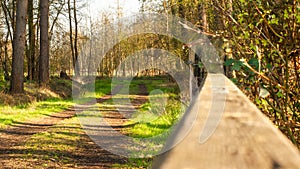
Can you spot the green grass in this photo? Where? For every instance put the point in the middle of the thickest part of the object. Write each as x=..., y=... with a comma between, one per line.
x=102, y=87
x=157, y=124
x=89, y=92
x=23, y=113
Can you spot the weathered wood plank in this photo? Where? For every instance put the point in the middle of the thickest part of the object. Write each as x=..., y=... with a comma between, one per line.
x=244, y=137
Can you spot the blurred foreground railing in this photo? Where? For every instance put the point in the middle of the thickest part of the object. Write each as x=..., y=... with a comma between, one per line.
x=243, y=136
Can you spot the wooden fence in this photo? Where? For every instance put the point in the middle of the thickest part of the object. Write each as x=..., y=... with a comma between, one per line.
x=243, y=137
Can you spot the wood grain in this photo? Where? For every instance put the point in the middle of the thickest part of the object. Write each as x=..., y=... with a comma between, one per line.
x=244, y=137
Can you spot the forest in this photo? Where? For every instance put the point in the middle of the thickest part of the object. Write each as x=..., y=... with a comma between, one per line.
x=50, y=48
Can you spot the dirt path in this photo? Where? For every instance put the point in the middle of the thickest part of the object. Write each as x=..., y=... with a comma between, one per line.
x=14, y=137
x=117, y=118
x=88, y=155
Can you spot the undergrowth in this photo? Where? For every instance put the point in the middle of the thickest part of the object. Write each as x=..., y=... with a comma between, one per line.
x=35, y=103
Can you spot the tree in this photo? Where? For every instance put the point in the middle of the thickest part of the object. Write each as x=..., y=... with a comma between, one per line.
x=44, y=43
x=73, y=42
x=17, y=81
x=31, y=48
x=75, y=57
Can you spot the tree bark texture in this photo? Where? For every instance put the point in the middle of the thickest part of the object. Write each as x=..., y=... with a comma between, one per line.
x=44, y=43
x=17, y=81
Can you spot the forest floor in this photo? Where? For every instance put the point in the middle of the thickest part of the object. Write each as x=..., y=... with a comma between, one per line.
x=58, y=140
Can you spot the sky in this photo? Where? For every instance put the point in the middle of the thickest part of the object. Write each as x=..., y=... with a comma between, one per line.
x=129, y=6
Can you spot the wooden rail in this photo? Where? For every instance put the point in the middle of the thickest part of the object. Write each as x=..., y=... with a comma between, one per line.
x=244, y=137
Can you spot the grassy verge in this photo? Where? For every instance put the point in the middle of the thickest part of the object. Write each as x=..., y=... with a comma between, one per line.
x=152, y=126
x=102, y=87
x=163, y=104
x=23, y=113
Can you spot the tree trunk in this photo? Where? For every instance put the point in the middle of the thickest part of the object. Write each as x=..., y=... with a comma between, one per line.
x=54, y=21
x=17, y=81
x=44, y=43
x=13, y=14
x=71, y=35
x=37, y=39
x=76, y=68
x=5, y=64
x=31, y=48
